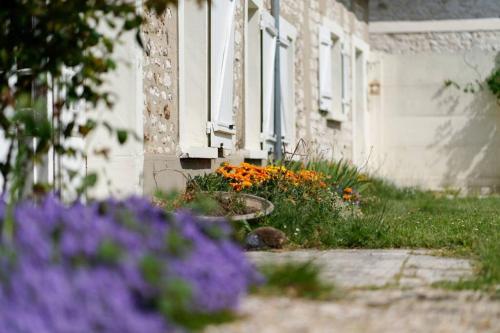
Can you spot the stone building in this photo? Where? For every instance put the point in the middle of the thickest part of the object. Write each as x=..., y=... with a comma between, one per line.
x=361, y=80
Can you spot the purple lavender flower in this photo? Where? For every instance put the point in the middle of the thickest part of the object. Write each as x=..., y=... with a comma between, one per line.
x=108, y=267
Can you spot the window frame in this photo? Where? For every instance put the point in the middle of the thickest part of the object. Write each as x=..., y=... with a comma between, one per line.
x=338, y=110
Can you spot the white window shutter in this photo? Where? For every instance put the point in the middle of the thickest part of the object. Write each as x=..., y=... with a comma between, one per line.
x=346, y=81
x=269, y=36
x=325, y=70
x=284, y=92
x=221, y=126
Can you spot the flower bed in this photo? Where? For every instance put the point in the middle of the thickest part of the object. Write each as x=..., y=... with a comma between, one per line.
x=307, y=202
x=116, y=266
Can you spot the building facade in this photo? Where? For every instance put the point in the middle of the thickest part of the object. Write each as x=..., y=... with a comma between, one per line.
x=360, y=80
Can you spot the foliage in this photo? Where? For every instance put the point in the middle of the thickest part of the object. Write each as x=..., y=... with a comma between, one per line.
x=493, y=83
x=295, y=280
x=305, y=204
x=410, y=218
x=65, y=47
x=342, y=174
x=116, y=266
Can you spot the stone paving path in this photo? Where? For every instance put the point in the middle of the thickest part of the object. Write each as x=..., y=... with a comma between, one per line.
x=375, y=268
x=386, y=291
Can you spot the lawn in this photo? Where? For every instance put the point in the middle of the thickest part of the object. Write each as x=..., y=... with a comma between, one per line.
x=408, y=218
x=333, y=205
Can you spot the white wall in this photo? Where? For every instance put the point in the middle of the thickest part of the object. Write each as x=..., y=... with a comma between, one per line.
x=432, y=136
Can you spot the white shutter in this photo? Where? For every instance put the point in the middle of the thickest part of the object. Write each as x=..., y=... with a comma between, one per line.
x=285, y=87
x=269, y=36
x=287, y=37
x=221, y=69
x=325, y=70
x=346, y=81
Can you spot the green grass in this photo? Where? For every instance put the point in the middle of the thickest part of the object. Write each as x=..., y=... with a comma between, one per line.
x=408, y=218
x=295, y=280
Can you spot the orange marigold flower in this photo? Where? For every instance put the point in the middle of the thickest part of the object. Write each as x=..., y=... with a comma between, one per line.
x=246, y=183
x=348, y=190
x=346, y=197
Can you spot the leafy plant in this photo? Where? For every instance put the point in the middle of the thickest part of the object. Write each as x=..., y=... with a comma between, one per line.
x=341, y=174
x=493, y=83
x=305, y=206
x=295, y=280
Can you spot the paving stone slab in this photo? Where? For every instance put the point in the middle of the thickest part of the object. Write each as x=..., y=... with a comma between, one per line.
x=406, y=303
x=374, y=268
x=383, y=311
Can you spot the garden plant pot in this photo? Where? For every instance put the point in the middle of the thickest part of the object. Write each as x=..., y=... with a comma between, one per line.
x=261, y=207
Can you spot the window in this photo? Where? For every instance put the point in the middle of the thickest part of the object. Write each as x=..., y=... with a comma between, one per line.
x=254, y=31
x=268, y=52
x=221, y=125
x=287, y=80
x=287, y=68
x=206, y=59
x=334, y=71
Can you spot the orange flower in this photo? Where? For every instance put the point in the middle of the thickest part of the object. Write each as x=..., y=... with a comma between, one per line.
x=246, y=175
x=348, y=190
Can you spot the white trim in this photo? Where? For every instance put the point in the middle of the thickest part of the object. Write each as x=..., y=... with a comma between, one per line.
x=334, y=28
x=181, y=79
x=338, y=33
x=256, y=154
x=287, y=30
x=335, y=116
x=252, y=77
x=359, y=145
x=385, y=27
x=255, y=4
x=193, y=75
x=358, y=43
x=287, y=38
x=199, y=152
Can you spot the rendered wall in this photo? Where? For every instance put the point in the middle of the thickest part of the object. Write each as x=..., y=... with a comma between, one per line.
x=428, y=135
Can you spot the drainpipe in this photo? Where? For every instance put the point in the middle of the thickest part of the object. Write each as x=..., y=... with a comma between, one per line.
x=275, y=10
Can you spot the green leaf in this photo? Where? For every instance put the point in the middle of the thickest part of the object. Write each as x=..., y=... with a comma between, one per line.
x=151, y=269
x=109, y=252
x=122, y=136
x=89, y=180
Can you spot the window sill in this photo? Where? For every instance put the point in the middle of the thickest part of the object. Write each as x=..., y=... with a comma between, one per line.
x=256, y=154
x=199, y=152
x=337, y=117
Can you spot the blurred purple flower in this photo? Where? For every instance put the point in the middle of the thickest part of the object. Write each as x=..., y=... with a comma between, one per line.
x=82, y=268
